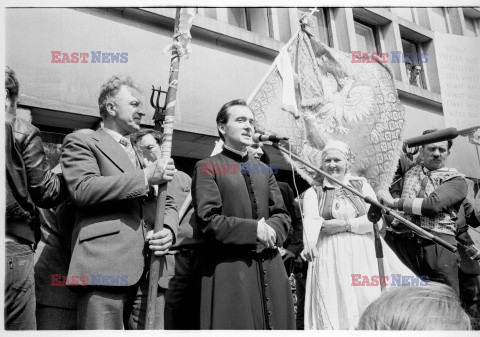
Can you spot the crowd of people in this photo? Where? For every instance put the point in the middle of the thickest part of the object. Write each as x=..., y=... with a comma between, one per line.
x=79, y=237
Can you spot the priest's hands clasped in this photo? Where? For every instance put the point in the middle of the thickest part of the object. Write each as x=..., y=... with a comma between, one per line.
x=266, y=236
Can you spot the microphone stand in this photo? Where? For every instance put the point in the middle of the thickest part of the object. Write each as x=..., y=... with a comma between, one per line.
x=376, y=208
x=374, y=214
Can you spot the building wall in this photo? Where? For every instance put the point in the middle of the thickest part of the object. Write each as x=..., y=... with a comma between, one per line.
x=229, y=58
x=212, y=75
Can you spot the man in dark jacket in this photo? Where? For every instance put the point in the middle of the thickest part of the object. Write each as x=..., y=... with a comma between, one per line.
x=432, y=196
x=29, y=183
x=243, y=220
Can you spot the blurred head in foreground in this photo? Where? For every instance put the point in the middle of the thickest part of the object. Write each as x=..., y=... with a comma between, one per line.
x=433, y=307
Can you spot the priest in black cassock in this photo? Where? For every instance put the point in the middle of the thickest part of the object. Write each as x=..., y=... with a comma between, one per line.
x=243, y=220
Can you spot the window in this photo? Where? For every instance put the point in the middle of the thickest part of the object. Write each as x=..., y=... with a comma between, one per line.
x=284, y=24
x=365, y=38
x=211, y=13
x=256, y=20
x=259, y=20
x=404, y=12
x=319, y=29
x=454, y=17
x=413, y=63
x=439, y=22
x=237, y=17
x=470, y=27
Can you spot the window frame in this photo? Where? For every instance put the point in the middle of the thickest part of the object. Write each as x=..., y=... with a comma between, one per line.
x=374, y=29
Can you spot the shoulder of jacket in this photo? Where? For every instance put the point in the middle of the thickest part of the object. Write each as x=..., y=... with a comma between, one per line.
x=81, y=134
x=23, y=127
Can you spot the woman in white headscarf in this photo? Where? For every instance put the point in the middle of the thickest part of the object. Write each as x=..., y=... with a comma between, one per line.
x=343, y=277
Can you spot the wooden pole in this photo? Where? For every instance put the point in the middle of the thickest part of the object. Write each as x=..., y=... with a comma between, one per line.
x=156, y=262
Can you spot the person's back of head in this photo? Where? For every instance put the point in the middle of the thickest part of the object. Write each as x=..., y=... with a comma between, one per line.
x=431, y=307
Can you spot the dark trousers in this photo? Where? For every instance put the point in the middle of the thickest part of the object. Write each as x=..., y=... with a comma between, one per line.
x=470, y=294
x=182, y=301
x=19, y=287
x=300, y=275
x=426, y=258
x=56, y=318
x=117, y=308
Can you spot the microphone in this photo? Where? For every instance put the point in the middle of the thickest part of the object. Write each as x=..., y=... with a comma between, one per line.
x=440, y=136
x=270, y=138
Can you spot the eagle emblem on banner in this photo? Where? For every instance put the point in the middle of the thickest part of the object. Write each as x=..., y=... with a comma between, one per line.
x=314, y=93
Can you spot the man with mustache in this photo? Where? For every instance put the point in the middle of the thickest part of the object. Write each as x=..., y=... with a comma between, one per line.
x=431, y=198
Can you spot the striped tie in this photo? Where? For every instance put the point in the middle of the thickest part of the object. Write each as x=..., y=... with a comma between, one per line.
x=129, y=149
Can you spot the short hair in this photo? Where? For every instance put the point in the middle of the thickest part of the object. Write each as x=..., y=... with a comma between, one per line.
x=11, y=83
x=222, y=116
x=135, y=137
x=431, y=307
x=264, y=158
x=110, y=89
x=426, y=132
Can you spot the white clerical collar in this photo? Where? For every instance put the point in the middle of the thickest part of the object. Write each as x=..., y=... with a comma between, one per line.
x=115, y=135
x=240, y=153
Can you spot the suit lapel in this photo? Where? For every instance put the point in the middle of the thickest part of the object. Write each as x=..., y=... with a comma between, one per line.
x=113, y=151
x=139, y=154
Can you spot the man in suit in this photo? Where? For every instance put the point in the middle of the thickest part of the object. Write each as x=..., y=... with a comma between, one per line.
x=182, y=300
x=112, y=237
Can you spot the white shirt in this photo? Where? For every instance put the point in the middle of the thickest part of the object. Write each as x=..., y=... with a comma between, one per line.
x=117, y=137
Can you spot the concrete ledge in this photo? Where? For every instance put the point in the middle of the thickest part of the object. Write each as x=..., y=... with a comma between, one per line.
x=418, y=94
x=42, y=103
x=223, y=32
x=414, y=32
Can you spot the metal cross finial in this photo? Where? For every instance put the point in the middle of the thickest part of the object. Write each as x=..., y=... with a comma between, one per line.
x=313, y=10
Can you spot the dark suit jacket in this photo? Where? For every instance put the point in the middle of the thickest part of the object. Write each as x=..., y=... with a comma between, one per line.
x=114, y=210
x=294, y=242
x=187, y=231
